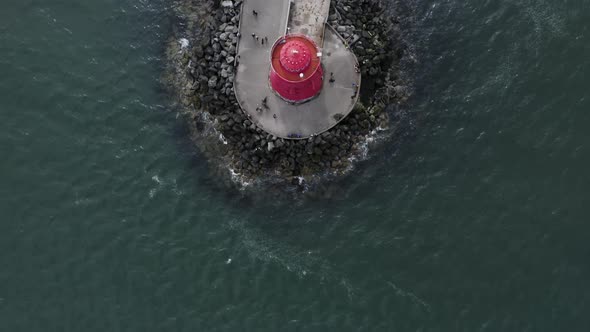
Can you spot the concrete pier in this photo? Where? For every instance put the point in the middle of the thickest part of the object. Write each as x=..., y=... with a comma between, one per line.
x=309, y=17
x=251, y=86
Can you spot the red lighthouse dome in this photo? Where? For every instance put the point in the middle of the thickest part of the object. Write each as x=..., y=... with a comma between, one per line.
x=295, y=56
x=296, y=72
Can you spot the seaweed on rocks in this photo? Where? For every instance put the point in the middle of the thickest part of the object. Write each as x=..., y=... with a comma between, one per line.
x=202, y=57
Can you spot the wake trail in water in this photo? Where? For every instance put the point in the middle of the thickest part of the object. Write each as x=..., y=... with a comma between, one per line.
x=306, y=264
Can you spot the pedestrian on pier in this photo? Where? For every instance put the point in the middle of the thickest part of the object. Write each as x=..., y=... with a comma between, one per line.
x=254, y=35
x=255, y=13
x=274, y=116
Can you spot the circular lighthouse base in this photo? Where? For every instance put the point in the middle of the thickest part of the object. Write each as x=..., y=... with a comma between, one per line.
x=288, y=97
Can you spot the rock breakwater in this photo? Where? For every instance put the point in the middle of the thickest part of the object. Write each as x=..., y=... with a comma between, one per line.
x=202, y=55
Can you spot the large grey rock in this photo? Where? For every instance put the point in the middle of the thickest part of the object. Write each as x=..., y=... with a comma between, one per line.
x=212, y=81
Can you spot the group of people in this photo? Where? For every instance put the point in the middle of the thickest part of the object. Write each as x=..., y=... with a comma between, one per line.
x=356, y=90
x=258, y=38
x=264, y=106
x=265, y=39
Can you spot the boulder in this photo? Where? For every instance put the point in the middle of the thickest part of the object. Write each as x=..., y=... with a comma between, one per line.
x=212, y=83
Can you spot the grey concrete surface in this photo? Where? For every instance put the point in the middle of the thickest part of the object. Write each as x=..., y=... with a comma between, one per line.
x=251, y=82
x=309, y=17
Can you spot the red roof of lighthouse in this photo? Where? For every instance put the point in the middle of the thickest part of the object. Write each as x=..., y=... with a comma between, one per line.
x=295, y=56
x=296, y=73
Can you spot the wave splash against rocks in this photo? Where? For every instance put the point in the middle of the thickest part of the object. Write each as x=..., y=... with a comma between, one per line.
x=201, y=55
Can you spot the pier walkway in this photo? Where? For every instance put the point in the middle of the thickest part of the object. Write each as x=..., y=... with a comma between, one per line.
x=309, y=17
x=251, y=85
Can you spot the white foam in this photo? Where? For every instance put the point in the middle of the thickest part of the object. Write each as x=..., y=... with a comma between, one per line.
x=364, y=147
x=239, y=178
x=157, y=179
x=222, y=139
x=183, y=43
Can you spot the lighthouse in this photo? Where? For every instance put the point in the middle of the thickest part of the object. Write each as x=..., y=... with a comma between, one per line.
x=296, y=73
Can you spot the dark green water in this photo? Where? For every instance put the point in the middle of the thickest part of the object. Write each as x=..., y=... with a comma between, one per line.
x=110, y=222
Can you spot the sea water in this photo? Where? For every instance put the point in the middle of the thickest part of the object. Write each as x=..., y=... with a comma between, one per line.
x=478, y=221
